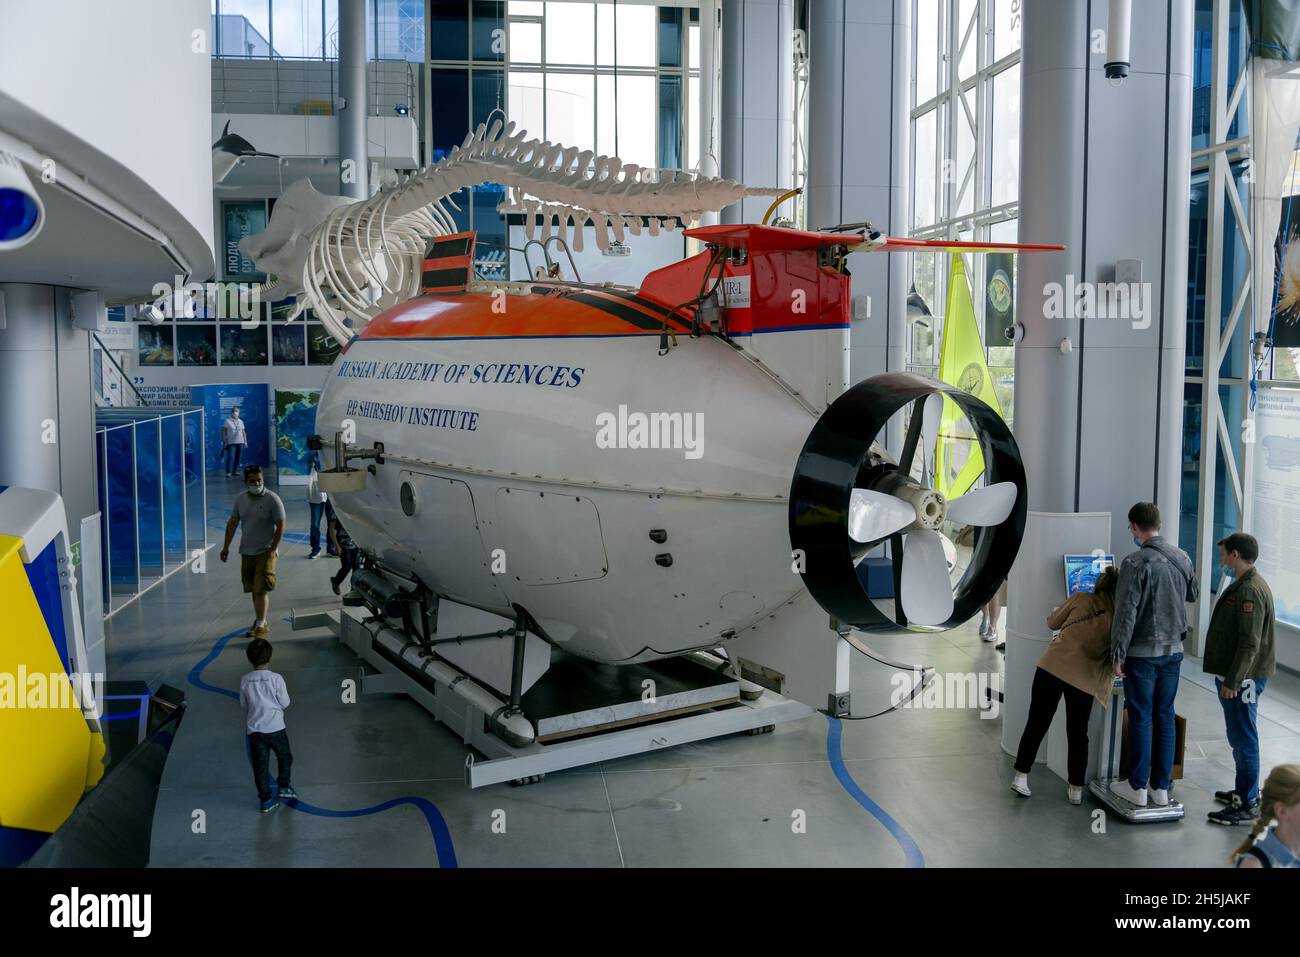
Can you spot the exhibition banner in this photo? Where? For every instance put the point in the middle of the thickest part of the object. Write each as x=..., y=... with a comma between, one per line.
x=251, y=399
x=295, y=421
x=1277, y=496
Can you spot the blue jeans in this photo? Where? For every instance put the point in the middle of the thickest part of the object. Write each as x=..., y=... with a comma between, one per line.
x=1243, y=735
x=230, y=457
x=1150, y=685
x=317, y=510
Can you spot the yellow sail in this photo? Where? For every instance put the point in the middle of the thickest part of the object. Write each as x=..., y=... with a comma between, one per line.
x=958, y=461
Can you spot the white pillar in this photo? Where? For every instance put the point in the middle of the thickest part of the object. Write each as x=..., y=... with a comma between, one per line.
x=1105, y=170
x=756, y=118
x=858, y=161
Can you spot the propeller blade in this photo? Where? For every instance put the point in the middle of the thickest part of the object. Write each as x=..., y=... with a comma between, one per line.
x=876, y=515
x=926, y=591
x=986, y=506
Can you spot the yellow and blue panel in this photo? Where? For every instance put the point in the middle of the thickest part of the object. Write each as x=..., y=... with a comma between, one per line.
x=51, y=748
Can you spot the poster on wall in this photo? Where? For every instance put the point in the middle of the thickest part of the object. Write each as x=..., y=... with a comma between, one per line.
x=999, y=297
x=243, y=347
x=240, y=219
x=322, y=349
x=295, y=421
x=288, y=344
x=1286, y=270
x=251, y=398
x=196, y=346
x=1277, y=497
x=155, y=345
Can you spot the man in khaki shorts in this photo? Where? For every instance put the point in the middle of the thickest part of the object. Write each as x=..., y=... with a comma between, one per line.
x=261, y=513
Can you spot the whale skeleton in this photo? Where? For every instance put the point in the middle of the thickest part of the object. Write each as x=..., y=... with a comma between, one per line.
x=349, y=260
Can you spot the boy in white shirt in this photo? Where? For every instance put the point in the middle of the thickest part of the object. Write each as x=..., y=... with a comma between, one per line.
x=264, y=696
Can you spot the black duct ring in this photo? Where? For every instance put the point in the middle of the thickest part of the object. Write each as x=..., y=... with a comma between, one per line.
x=835, y=460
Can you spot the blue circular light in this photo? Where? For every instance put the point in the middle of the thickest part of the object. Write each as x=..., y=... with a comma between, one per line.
x=18, y=214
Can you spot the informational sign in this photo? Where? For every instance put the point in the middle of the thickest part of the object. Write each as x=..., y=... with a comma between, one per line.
x=1277, y=497
x=240, y=219
x=1082, y=571
x=295, y=421
x=251, y=400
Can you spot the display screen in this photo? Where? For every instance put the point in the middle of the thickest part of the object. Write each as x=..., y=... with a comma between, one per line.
x=1081, y=571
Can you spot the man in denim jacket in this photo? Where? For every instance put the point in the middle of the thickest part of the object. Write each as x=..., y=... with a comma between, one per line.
x=1146, y=647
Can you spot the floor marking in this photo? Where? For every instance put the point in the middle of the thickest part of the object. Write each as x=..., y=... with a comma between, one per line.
x=433, y=817
x=911, y=852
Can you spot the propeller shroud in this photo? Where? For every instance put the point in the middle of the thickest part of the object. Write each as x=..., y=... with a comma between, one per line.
x=840, y=455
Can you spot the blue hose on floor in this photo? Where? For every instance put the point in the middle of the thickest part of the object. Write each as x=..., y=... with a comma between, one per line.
x=433, y=817
x=911, y=851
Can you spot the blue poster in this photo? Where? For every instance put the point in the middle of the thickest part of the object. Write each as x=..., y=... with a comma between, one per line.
x=295, y=420
x=251, y=398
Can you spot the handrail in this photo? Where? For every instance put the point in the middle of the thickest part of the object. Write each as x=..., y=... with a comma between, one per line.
x=116, y=365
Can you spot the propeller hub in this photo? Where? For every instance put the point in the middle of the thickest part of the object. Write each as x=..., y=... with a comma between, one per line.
x=931, y=508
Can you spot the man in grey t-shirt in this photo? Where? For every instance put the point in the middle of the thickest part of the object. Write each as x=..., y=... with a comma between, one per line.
x=261, y=513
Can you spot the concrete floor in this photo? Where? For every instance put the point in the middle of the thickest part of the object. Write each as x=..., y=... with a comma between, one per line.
x=941, y=775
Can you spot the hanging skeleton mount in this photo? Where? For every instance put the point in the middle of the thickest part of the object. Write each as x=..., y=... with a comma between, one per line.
x=350, y=260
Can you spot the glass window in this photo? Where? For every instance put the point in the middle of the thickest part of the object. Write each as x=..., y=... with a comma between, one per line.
x=928, y=47
x=527, y=102
x=1006, y=27
x=525, y=42
x=489, y=30
x=299, y=27
x=670, y=122
x=636, y=119
x=570, y=33
x=968, y=39
x=570, y=109
x=923, y=167
x=634, y=34
x=1005, y=140
x=448, y=30
x=670, y=36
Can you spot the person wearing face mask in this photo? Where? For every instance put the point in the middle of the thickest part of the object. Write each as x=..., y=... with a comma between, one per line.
x=233, y=440
x=261, y=513
x=1239, y=653
x=1146, y=648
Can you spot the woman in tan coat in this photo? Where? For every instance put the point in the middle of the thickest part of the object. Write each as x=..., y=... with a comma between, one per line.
x=1075, y=665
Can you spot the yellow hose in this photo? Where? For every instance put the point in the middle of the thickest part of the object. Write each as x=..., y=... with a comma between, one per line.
x=779, y=200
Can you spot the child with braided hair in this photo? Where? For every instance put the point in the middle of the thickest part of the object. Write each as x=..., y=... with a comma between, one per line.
x=1275, y=836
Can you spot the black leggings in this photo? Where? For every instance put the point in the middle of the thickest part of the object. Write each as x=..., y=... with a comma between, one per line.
x=1043, y=699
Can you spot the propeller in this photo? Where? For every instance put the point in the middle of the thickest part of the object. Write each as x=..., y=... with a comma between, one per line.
x=926, y=592
x=849, y=495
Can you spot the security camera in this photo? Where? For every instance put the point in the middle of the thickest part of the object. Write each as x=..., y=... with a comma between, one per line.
x=22, y=214
x=151, y=314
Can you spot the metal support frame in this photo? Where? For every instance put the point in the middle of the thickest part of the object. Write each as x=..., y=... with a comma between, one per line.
x=508, y=763
x=1227, y=95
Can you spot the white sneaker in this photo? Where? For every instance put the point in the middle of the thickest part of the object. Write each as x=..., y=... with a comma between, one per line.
x=1159, y=796
x=1074, y=794
x=1134, y=796
x=1020, y=784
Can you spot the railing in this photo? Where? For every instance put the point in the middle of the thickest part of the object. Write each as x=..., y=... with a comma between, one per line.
x=113, y=387
x=287, y=87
